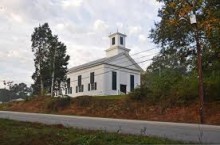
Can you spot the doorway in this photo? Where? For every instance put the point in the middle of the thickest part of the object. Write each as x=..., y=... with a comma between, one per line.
x=123, y=89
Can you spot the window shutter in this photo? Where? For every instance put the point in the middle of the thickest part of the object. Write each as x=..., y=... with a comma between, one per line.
x=132, y=82
x=121, y=40
x=114, y=80
x=88, y=87
x=95, y=86
x=71, y=90
x=92, y=77
x=79, y=80
x=113, y=40
x=76, y=89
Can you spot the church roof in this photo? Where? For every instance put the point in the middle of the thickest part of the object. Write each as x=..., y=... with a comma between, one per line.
x=99, y=62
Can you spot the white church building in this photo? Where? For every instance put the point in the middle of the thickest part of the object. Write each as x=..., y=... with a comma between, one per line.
x=115, y=74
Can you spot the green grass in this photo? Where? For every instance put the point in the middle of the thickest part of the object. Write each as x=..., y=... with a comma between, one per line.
x=3, y=106
x=112, y=97
x=23, y=133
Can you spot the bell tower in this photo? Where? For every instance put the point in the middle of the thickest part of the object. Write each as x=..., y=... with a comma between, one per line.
x=117, y=44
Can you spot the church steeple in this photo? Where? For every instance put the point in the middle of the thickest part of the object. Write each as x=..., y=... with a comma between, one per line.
x=117, y=44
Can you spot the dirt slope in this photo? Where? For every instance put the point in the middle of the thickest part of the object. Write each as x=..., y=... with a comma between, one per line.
x=118, y=108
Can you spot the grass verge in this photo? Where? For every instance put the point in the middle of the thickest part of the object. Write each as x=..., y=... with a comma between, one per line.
x=112, y=97
x=23, y=133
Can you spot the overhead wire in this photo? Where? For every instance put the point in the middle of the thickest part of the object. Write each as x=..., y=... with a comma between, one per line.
x=121, y=67
x=124, y=58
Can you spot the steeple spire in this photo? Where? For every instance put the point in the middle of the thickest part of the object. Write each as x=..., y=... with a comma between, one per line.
x=117, y=44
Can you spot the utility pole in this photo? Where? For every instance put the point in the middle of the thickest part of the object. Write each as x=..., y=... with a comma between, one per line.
x=199, y=66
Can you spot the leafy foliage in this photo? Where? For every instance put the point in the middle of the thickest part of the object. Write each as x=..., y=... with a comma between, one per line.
x=17, y=133
x=173, y=73
x=50, y=60
x=58, y=103
x=16, y=91
x=139, y=94
x=83, y=101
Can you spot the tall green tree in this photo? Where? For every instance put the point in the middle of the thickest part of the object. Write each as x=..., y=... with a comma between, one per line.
x=176, y=36
x=40, y=44
x=58, y=61
x=174, y=31
x=51, y=60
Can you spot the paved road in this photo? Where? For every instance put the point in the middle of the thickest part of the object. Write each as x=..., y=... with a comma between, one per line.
x=175, y=131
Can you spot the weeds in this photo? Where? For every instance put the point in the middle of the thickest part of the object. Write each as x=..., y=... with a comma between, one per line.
x=17, y=133
x=58, y=103
x=83, y=101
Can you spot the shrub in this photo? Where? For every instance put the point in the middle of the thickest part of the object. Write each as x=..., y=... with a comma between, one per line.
x=58, y=103
x=185, y=90
x=212, y=87
x=83, y=101
x=139, y=93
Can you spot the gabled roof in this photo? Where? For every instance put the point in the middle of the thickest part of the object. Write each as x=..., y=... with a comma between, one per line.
x=105, y=60
x=92, y=63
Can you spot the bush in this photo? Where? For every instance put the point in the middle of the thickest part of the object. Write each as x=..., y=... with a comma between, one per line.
x=212, y=87
x=139, y=93
x=58, y=103
x=185, y=90
x=83, y=101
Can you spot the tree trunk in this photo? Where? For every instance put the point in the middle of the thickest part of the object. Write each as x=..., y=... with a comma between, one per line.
x=41, y=78
x=41, y=86
x=59, y=88
x=53, y=74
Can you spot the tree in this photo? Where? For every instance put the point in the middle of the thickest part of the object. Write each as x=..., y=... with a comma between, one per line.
x=40, y=43
x=58, y=60
x=51, y=60
x=21, y=90
x=175, y=32
x=16, y=91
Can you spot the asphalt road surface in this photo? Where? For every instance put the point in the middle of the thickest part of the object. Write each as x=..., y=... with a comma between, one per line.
x=176, y=131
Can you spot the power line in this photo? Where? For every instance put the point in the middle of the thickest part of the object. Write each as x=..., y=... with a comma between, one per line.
x=119, y=62
x=138, y=53
x=128, y=60
x=115, y=60
x=143, y=51
x=115, y=69
x=132, y=54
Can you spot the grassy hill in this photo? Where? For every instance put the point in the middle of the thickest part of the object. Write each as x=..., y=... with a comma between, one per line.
x=23, y=133
x=117, y=107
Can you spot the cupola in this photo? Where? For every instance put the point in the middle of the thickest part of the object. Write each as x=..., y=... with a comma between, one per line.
x=117, y=44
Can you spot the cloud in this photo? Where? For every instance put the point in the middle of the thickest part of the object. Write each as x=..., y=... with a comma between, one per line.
x=100, y=25
x=119, y=25
x=82, y=25
x=70, y=4
x=134, y=30
x=142, y=38
x=16, y=17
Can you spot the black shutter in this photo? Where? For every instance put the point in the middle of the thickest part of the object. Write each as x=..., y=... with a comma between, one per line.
x=71, y=90
x=132, y=82
x=68, y=82
x=88, y=87
x=95, y=86
x=79, y=80
x=76, y=89
x=92, y=78
x=121, y=40
x=113, y=40
x=114, y=80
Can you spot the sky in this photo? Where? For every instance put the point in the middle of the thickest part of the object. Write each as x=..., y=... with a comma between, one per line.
x=82, y=25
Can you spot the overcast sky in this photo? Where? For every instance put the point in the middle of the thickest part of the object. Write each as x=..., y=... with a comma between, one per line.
x=82, y=25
